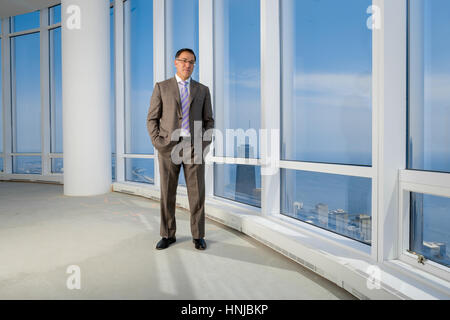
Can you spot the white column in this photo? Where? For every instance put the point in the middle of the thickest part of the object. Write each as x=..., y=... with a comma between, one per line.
x=85, y=88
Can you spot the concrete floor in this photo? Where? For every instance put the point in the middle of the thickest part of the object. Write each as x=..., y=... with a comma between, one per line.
x=112, y=238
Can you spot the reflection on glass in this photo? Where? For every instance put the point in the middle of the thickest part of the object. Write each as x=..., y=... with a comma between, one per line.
x=139, y=170
x=25, y=53
x=54, y=15
x=182, y=31
x=138, y=45
x=429, y=83
x=25, y=21
x=27, y=165
x=56, y=137
x=1, y=164
x=326, y=81
x=237, y=68
x=57, y=165
x=430, y=227
x=238, y=182
x=341, y=204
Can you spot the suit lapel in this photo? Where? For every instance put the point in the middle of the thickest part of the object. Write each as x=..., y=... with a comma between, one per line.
x=193, y=91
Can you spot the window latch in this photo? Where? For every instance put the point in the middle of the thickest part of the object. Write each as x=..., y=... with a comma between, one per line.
x=421, y=259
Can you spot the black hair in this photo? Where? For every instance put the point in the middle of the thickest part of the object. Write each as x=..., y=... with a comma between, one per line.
x=183, y=50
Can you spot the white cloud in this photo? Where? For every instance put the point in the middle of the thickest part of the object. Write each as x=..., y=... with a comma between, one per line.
x=333, y=90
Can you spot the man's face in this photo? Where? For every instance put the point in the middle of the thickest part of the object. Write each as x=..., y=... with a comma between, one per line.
x=185, y=64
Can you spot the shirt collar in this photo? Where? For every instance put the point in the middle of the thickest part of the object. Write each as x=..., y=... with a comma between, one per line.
x=179, y=79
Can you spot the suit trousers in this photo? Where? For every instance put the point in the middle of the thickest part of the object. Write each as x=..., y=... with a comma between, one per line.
x=195, y=182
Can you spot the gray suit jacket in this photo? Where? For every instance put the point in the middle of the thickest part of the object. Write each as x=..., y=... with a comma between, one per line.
x=165, y=115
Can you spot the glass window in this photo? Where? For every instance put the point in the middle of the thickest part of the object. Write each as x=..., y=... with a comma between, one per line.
x=56, y=137
x=181, y=31
x=27, y=165
x=139, y=170
x=138, y=34
x=429, y=83
x=430, y=227
x=326, y=81
x=25, y=21
x=341, y=204
x=237, y=68
x=54, y=15
x=238, y=182
x=26, y=93
x=57, y=165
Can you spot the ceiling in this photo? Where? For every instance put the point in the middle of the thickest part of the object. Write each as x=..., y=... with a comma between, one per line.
x=15, y=7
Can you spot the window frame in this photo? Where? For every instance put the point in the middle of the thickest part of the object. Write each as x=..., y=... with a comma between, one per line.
x=8, y=101
x=419, y=181
x=433, y=183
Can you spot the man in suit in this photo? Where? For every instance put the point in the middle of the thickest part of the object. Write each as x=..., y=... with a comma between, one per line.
x=180, y=112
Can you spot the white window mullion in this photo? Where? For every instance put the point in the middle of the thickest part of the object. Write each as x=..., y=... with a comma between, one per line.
x=119, y=88
x=391, y=117
x=377, y=76
x=45, y=90
x=159, y=62
x=206, y=71
x=6, y=96
x=270, y=104
x=10, y=93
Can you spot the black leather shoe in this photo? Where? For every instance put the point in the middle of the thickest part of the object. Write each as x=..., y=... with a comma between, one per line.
x=200, y=244
x=165, y=242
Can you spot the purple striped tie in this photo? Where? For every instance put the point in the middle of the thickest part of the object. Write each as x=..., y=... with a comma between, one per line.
x=185, y=106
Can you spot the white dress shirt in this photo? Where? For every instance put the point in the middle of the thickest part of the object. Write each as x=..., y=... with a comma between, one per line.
x=180, y=88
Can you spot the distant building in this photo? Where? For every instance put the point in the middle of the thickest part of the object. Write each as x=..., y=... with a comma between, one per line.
x=435, y=249
x=245, y=175
x=365, y=227
x=322, y=212
x=341, y=221
x=352, y=231
x=297, y=207
x=245, y=151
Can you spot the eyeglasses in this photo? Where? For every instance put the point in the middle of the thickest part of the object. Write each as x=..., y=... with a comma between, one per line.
x=186, y=61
